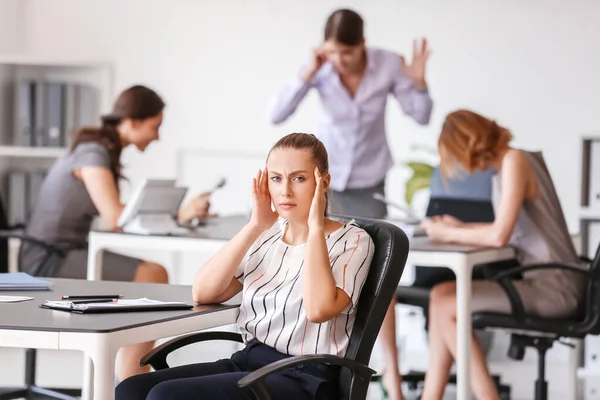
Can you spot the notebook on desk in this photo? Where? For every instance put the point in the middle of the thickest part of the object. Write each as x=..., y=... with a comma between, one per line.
x=13, y=281
x=115, y=306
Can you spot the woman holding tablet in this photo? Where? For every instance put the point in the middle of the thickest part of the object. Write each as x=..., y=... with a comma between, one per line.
x=300, y=278
x=83, y=184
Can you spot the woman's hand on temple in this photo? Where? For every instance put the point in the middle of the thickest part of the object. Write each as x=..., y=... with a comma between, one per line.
x=316, y=216
x=263, y=216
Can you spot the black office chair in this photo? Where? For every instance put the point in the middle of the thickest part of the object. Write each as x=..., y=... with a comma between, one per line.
x=29, y=390
x=541, y=333
x=391, y=252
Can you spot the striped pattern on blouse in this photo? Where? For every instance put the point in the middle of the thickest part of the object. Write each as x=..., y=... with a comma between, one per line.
x=272, y=310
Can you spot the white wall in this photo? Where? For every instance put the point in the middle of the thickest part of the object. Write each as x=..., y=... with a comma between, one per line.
x=11, y=12
x=532, y=65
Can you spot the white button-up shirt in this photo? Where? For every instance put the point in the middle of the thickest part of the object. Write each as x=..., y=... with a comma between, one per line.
x=353, y=129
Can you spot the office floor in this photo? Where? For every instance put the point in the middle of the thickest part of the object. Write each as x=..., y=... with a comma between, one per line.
x=64, y=369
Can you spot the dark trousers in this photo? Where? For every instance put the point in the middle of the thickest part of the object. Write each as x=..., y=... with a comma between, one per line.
x=218, y=380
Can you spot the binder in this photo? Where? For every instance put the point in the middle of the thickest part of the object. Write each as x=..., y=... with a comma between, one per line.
x=86, y=106
x=17, y=197
x=34, y=182
x=116, y=306
x=14, y=281
x=70, y=122
x=39, y=113
x=54, y=109
x=24, y=109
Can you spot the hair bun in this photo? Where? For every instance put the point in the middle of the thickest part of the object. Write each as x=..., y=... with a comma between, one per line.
x=110, y=119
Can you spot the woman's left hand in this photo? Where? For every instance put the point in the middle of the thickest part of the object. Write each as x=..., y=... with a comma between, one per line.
x=196, y=208
x=316, y=216
x=437, y=229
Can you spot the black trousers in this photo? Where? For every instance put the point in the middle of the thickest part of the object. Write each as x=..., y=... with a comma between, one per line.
x=218, y=380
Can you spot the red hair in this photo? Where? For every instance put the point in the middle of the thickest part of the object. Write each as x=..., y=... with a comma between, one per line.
x=471, y=141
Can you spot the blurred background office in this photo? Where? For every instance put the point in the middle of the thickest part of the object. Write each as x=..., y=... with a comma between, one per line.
x=531, y=64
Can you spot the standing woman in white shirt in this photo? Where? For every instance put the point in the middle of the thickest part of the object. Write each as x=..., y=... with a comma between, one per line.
x=354, y=82
x=300, y=279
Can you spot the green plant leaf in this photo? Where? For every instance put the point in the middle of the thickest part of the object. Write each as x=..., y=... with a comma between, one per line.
x=413, y=185
x=420, y=168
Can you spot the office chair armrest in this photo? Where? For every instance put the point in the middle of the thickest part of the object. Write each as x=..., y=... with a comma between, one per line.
x=518, y=270
x=256, y=380
x=505, y=278
x=46, y=246
x=157, y=358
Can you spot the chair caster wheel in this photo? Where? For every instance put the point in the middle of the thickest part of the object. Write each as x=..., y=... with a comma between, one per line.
x=504, y=392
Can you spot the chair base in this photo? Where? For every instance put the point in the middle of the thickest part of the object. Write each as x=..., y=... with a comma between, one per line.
x=31, y=391
x=518, y=343
x=36, y=392
x=413, y=378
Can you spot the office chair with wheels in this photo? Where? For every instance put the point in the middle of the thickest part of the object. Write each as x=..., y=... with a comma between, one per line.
x=538, y=332
x=541, y=333
x=391, y=252
x=29, y=390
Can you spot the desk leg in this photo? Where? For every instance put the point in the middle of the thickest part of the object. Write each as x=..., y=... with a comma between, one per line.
x=94, y=273
x=103, y=356
x=88, y=378
x=94, y=261
x=574, y=363
x=463, y=324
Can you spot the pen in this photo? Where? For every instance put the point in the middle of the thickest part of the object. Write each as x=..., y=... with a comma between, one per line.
x=95, y=296
x=93, y=301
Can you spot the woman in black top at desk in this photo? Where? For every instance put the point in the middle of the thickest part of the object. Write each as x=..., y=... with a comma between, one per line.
x=83, y=184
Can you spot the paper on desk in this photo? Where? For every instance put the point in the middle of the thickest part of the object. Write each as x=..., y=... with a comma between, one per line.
x=14, y=299
x=66, y=304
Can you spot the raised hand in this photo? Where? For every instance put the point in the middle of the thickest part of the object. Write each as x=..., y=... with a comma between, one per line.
x=263, y=215
x=318, y=58
x=415, y=70
x=316, y=216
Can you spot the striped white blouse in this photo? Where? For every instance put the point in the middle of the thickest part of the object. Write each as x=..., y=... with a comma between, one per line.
x=272, y=310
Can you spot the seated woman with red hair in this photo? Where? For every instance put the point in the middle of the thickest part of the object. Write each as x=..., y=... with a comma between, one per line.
x=528, y=216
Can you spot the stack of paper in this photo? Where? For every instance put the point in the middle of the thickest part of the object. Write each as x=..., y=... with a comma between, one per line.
x=116, y=305
x=13, y=281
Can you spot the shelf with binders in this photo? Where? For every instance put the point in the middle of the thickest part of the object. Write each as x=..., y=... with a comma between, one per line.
x=45, y=100
x=32, y=152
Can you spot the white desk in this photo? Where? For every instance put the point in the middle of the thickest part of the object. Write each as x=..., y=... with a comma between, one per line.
x=460, y=259
x=100, y=336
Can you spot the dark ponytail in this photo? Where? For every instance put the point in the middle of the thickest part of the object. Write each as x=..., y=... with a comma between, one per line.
x=137, y=102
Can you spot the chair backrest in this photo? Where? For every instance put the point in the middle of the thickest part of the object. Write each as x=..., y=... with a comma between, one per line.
x=4, y=257
x=591, y=307
x=476, y=186
x=467, y=197
x=389, y=260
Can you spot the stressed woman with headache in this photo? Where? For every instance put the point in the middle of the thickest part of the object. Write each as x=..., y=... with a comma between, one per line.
x=300, y=275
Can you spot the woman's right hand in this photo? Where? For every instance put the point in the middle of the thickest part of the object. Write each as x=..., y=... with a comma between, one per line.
x=318, y=58
x=263, y=216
